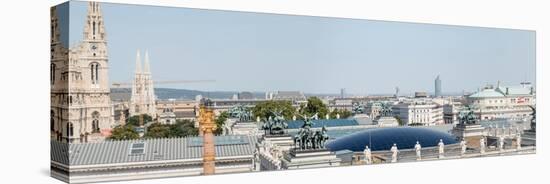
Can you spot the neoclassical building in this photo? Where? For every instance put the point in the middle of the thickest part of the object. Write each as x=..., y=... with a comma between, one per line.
x=81, y=108
x=510, y=102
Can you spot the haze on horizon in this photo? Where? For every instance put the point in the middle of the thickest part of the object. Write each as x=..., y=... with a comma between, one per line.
x=269, y=52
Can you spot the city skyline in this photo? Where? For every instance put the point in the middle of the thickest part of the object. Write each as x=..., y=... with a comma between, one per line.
x=317, y=54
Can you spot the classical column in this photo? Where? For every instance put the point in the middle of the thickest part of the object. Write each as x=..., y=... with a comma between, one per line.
x=207, y=127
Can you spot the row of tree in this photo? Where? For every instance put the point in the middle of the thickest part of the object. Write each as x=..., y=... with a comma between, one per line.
x=314, y=105
x=129, y=130
x=184, y=128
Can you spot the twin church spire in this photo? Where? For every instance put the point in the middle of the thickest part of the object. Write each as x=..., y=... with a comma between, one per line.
x=143, y=93
x=146, y=69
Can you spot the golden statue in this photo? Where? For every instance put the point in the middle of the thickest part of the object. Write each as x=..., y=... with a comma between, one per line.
x=206, y=130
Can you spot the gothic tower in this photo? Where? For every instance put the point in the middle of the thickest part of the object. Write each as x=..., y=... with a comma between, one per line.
x=143, y=94
x=58, y=84
x=85, y=99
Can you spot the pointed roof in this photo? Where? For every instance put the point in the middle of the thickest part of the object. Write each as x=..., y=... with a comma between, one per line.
x=138, y=63
x=146, y=69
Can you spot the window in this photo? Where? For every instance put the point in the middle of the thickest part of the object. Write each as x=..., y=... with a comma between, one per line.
x=93, y=29
x=94, y=73
x=95, y=122
x=52, y=73
x=69, y=129
x=137, y=148
x=52, y=122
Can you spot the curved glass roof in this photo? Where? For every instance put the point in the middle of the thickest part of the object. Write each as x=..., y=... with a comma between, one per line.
x=384, y=138
x=323, y=122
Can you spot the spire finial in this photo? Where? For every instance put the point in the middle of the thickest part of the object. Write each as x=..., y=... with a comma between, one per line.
x=138, y=62
x=146, y=67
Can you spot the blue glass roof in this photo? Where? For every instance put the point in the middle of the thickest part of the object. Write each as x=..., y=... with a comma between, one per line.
x=220, y=140
x=323, y=122
x=384, y=138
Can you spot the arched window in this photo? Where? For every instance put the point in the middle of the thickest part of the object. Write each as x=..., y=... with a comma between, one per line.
x=93, y=29
x=69, y=129
x=52, y=121
x=52, y=73
x=95, y=122
x=94, y=73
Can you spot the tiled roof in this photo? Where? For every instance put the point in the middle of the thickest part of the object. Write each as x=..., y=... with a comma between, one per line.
x=501, y=92
x=515, y=90
x=112, y=152
x=185, y=114
x=486, y=93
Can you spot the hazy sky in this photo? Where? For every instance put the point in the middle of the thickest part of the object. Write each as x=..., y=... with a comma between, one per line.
x=259, y=52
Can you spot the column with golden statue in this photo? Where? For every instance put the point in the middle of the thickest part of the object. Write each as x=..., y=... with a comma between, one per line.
x=206, y=130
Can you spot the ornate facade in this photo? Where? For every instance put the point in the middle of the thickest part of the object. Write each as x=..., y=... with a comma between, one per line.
x=81, y=108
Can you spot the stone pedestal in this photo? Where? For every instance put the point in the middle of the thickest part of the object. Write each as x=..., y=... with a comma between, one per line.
x=284, y=142
x=471, y=134
x=299, y=159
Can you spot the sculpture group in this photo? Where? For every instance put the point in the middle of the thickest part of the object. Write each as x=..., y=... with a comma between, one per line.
x=467, y=116
x=306, y=138
x=276, y=125
x=241, y=112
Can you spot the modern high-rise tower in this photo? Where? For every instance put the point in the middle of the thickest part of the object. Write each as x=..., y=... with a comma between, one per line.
x=437, y=92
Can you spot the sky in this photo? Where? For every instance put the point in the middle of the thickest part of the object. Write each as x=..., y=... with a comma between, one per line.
x=245, y=51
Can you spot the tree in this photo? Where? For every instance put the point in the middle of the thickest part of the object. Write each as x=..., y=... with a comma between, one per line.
x=315, y=105
x=134, y=120
x=265, y=109
x=220, y=122
x=399, y=120
x=126, y=132
x=182, y=128
x=185, y=128
x=343, y=113
x=157, y=130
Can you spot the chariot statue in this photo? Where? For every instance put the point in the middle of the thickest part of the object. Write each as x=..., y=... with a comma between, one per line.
x=467, y=116
x=241, y=112
x=386, y=111
x=358, y=109
x=276, y=125
x=306, y=138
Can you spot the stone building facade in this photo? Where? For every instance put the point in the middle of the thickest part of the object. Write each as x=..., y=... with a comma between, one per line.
x=81, y=108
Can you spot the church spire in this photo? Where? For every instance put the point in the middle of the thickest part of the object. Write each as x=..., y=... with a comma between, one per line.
x=138, y=63
x=146, y=66
x=94, y=28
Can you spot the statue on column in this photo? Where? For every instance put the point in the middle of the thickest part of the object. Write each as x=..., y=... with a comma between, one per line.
x=463, y=147
x=441, y=148
x=418, y=149
x=394, y=151
x=482, y=145
x=501, y=143
x=256, y=161
x=368, y=155
x=533, y=119
x=518, y=141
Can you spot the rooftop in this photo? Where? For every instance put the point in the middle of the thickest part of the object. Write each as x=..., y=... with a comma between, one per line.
x=384, y=138
x=133, y=151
